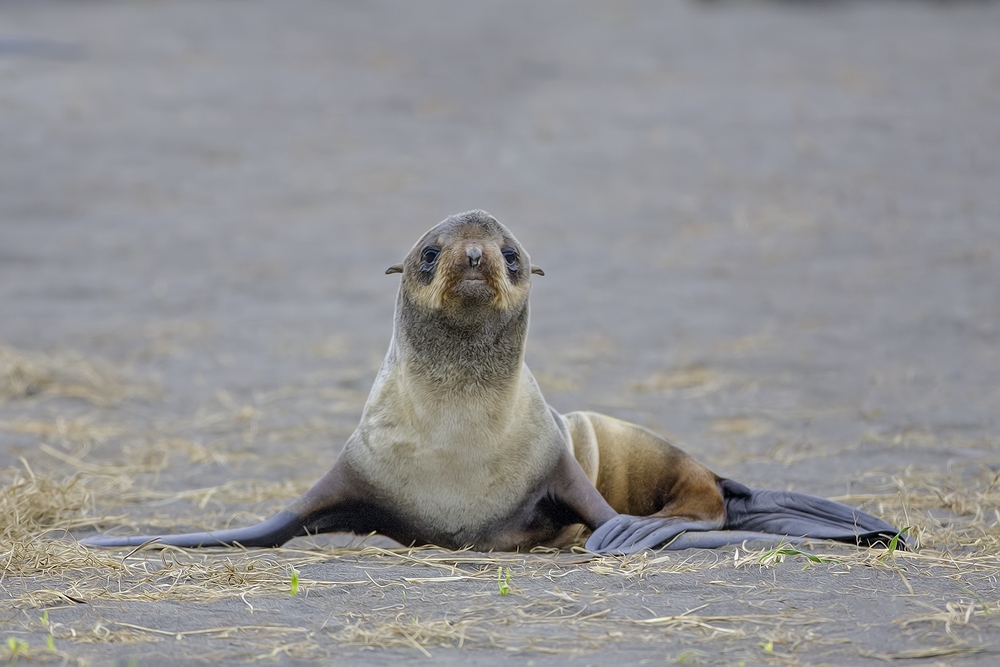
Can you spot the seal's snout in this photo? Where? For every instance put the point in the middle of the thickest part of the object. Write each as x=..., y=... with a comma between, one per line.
x=475, y=255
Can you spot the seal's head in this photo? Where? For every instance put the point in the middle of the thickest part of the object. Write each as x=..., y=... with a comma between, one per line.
x=467, y=263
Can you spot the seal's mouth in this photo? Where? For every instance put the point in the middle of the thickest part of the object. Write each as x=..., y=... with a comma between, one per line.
x=473, y=275
x=473, y=285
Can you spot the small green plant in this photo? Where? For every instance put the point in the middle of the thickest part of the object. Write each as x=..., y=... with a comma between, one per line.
x=777, y=555
x=18, y=648
x=691, y=656
x=890, y=551
x=768, y=646
x=294, y=587
x=50, y=641
x=503, y=580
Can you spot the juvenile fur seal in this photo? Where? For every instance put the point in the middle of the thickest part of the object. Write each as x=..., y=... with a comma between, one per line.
x=457, y=447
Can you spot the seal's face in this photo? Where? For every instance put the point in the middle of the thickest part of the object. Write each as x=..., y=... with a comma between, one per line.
x=468, y=263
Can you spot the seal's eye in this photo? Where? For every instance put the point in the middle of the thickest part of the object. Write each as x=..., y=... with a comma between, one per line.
x=510, y=256
x=429, y=255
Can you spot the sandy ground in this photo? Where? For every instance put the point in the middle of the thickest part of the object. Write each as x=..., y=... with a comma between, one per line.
x=770, y=231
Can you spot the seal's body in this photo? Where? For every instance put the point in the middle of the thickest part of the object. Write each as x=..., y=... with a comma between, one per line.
x=457, y=447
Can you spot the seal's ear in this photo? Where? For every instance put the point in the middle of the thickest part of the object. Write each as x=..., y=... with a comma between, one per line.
x=537, y=271
x=395, y=268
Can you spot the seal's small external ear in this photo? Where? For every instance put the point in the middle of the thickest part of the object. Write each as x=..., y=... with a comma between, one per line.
x=395, y=268
x=537, y=271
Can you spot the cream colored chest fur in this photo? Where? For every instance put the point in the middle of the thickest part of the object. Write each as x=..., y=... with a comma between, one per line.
x=454, y=460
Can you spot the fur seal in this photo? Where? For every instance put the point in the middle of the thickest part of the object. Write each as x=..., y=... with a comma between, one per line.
x=457, y=447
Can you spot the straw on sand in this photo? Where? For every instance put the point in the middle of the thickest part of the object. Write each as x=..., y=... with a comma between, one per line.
x=75, y=480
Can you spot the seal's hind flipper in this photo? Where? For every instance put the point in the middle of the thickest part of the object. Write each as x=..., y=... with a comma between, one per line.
x=274, y=532
x=625, y=534
x=751, y=515
x=801, y=515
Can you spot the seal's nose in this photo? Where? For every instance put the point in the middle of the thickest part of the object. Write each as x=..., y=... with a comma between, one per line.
x=474, y=254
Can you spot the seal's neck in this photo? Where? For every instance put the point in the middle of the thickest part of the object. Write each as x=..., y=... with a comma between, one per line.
x=470, y=354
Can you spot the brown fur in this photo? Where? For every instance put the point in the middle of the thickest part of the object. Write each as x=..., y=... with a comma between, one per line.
x=640, y=473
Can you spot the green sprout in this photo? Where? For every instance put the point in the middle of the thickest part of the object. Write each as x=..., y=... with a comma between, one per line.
x=890, y=551
x=691, y=656
x=295, y=582
x=17, y=648
x=503, y=580
x=50, y=640
x=777, y=555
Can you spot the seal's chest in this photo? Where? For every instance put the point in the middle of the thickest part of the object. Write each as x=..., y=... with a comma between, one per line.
x=451, y=475
x=456, y=460
x=450, y=479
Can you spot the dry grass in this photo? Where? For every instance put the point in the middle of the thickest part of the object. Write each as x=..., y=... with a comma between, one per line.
x=66, y=374
x=38, y=509
x=562, y=619
x=954, y=512
x=93, y=472
x=695, y=381
x=33, y=505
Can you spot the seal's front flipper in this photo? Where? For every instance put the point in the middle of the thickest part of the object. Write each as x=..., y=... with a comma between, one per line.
x=274, y=532
x=801, y=515
x=334, y=504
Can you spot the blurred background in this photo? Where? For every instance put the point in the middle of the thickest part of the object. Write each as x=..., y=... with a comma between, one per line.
x=769, y=229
